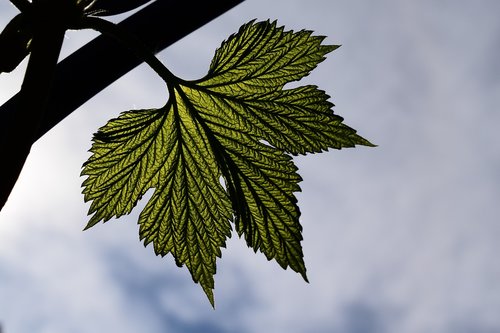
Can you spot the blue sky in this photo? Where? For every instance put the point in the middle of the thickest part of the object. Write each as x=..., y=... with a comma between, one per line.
x=398, y=238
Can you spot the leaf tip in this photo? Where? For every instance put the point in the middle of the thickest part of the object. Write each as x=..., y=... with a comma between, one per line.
x=359, y=140
x=304, y=276
x=328, y=48
x=88, y=226
x=210, y=295
x=92, y=222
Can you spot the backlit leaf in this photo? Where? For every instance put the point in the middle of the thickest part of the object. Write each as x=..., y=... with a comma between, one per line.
x=220, y=151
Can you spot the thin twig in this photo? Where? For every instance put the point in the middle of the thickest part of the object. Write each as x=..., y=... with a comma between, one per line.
x=130, y=41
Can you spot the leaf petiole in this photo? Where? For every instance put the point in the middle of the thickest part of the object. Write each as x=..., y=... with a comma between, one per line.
x=138, y=47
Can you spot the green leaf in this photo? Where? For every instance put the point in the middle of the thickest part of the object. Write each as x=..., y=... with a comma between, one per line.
x=237, y=124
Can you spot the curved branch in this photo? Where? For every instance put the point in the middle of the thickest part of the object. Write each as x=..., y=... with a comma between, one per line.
x=18, y=136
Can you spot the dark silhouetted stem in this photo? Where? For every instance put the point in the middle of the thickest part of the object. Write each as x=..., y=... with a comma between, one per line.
x=135, y=45
x=24, y=125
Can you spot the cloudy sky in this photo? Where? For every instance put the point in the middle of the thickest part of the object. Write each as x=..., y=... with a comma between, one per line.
x=399, y=238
